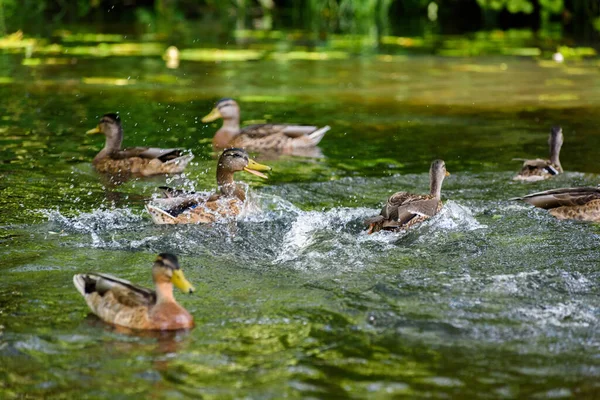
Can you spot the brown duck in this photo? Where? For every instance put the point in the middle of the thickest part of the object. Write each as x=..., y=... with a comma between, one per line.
x=280, y=137
x=119, y=302
x=404, y=209
x=538, y=169
x=582, y=203
x=184, y=208
x=138, y=161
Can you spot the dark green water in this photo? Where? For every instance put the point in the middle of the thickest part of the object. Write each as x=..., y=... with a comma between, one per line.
x=489, y=299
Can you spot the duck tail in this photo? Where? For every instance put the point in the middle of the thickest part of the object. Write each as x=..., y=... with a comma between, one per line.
x=317, y=135
x=84, y=283
x=159, y=216
x=181, y=161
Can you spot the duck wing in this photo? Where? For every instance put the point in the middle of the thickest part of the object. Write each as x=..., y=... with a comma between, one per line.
x=163, y=155
x=564, y=197
x=537, y=166
x=402, y=207
x=264, y=130
x=170, y=192
x=123, y=292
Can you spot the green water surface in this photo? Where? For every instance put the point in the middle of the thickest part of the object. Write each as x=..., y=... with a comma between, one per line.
x=489, y=299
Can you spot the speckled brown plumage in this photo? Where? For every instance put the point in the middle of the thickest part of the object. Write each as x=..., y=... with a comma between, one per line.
x=403, y=210
x=581, y=203
x=281, y=137
x=539, y=169
x=119, y=302
x=229, y=201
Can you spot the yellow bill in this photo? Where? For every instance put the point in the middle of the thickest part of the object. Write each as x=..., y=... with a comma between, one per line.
x=253, y=167
x=213, y=115
x=95, y=130
x=178, y=279
x=447, y=173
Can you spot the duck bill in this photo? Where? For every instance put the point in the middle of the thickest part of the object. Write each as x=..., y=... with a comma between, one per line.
x=213, y=115
x=253, y=168
x=447, y=173
x=178, y=279
x=93, y=131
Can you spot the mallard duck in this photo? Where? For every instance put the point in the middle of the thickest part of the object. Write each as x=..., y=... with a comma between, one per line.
x=184, y=208
x=141, y=161
x=582, y=203
x=538, y=169
x=119, y=302
x=280, y=137
x=404, y=209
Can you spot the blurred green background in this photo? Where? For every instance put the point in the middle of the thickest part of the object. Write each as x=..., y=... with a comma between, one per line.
x=576, y=18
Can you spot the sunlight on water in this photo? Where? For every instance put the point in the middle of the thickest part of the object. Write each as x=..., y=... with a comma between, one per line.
x=490, y=297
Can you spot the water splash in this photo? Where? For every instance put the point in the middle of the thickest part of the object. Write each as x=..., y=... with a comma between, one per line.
x=316, y=237
x=98, y=220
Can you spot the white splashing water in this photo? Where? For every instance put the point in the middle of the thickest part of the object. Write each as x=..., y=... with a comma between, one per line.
x=455, y=216
x=263, y=207
x=95, y=221
x=307, y=225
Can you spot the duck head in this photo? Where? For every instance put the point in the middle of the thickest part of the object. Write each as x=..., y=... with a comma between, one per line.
x=166, y=270
x=110, y=126
x=226, y=108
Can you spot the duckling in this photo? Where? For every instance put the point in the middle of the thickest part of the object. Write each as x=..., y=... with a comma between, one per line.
x=580, y=203
x=119, y=302
x=281, y=137
x=404, y=209
x=538, y=169
x=139, y=161
x=229, y=200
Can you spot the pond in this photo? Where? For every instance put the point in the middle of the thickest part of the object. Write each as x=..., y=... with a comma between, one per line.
x=489, y=299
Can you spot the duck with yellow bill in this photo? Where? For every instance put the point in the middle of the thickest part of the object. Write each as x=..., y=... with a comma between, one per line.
x=228, y=201
x=137, y=161
x=121, y=303
x=285, y=138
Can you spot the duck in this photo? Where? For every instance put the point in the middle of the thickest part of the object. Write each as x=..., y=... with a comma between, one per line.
x=539, y=169
x=579, y=203
x=285, y=138
x=404, y=209
x=121, y=303
x=138, y=161
x=180, y=207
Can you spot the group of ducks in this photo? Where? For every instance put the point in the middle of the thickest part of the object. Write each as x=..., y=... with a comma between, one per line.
x=122, y=303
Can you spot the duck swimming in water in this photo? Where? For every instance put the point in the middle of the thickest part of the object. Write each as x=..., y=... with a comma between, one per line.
x=404, y=209
x=120, y=302
x=539, y=169
x=230, y=199
x=138, y=161
x=280, y=137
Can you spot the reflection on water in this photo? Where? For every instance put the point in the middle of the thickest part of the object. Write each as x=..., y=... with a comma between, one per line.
x=488, y=298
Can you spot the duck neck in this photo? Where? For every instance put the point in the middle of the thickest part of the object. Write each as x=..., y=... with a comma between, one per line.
x=435, y=186
x=229, y=130
x=225, y=182
x=555, y=146
x=232, y=123
x=112, y=144
x=227, y=186
x=164, y=292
